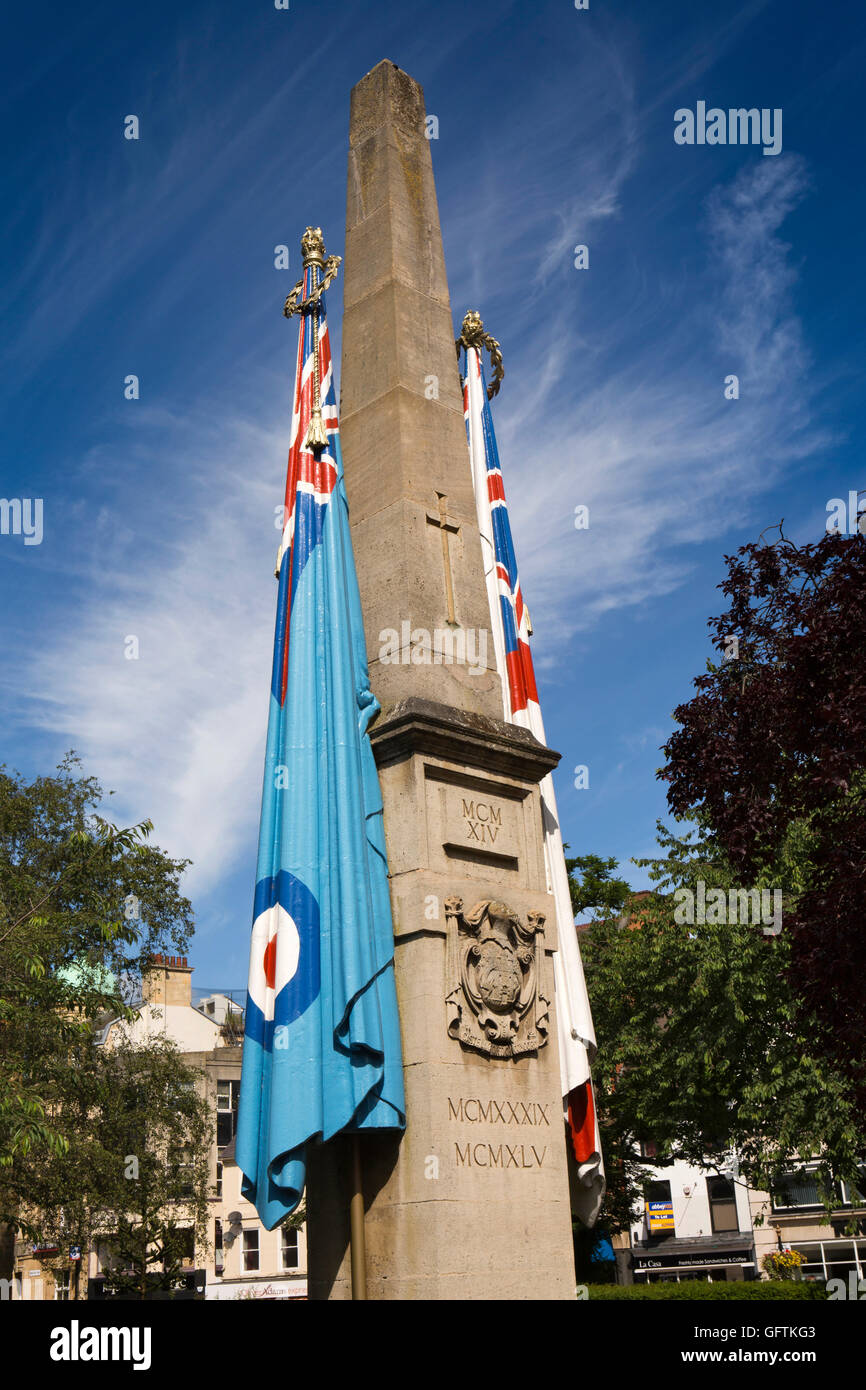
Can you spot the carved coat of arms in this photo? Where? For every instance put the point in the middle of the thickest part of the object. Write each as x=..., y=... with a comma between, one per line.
x=495, y=1002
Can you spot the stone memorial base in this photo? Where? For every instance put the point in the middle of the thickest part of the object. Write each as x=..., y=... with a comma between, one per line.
x=472, y=1202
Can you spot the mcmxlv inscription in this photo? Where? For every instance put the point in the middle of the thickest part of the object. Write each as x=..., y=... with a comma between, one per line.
x=499, y=1155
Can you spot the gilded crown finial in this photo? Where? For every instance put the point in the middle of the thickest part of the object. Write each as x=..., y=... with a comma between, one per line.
x=472, y=335
x=313, y=246
x=313, y=250
x=472, y=329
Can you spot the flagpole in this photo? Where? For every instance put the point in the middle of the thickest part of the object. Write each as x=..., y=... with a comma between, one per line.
x=356, y=1226
x=323, y=269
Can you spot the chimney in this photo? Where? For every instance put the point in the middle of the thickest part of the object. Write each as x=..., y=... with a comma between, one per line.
x=168, y=980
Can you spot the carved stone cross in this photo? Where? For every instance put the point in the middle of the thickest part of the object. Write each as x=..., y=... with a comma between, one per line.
x=441, y=520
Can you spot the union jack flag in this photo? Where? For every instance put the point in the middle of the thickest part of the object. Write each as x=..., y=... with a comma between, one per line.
x=511, y=627
x=310, y=480
x=322, y=1051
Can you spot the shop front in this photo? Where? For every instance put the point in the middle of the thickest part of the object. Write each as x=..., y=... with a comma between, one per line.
x=694, y=1259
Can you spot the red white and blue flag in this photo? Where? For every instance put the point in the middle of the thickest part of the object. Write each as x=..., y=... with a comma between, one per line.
x=511, y=631
x=322, y=1049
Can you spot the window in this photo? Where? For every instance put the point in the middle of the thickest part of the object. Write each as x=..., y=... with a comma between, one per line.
x=227, y=1094
x=804, y=1189
x=840, y=1258
x=251, y=1251
x=61, y=1286
x=289, y=1248
x=854, y=1194
x=723, y=1204
x=219, y=1180
x=832, y=1259
x=648, y=1148
x=227, y=1111
x=183, y=1167
x=796, y=1190
x=657, y=1191
x=218, y=1259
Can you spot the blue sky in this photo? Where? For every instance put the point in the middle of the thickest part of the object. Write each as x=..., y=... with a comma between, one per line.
x=155, y=257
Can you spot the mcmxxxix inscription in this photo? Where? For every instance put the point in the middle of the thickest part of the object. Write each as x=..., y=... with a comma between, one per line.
x=498, y=1112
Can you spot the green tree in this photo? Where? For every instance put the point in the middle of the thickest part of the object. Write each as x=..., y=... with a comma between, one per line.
x=702, y=1043
x=158, y=1127
x=595, y=890
x=135, y=1175
x=603, y=899
x=770, y=757
x=82, y=905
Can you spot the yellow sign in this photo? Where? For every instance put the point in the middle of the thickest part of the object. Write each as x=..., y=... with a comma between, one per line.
x=659, y=1216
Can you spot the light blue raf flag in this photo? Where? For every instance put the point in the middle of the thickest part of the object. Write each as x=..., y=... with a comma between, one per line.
x=322, y=1036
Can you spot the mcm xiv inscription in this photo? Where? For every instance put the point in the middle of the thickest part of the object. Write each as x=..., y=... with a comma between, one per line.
x=483, y=821
x=495, y=1112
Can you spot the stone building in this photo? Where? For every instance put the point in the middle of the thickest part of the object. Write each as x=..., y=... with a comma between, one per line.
x=794, y=1215
x=696, y=1225
x=690, y=1225
x=245, y=1260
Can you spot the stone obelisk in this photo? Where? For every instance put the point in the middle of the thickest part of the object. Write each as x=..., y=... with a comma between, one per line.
x=472, y=1202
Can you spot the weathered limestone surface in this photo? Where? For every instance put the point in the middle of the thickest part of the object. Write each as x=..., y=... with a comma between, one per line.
x=401, y=408
x=472, y=1202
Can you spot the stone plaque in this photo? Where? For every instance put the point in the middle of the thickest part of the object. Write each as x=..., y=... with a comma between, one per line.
x=476, y=823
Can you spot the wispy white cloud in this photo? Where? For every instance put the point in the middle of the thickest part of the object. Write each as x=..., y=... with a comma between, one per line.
x=96, y=221
x=642, y=433
x=180, y=730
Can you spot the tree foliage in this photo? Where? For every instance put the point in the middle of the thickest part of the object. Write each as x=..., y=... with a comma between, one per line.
x=134, y=1175
x=595, y=891
x=770, y=758
x=703, y=1046
x=68, y=945
x=156, y=1121
x=83, y=904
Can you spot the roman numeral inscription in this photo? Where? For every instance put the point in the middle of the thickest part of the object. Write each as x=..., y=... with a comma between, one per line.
x=473, y=1110
x=496, y=1112
x=476, y=820
x=483, y=821
x=499, y=1156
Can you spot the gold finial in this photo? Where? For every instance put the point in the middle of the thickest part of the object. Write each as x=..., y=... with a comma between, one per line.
x=313, y=247
x=472, y=335
x=313, y=251
x=472, y=329
x=315, y=260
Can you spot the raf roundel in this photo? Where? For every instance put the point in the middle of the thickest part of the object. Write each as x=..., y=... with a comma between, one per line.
x=284, y=954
